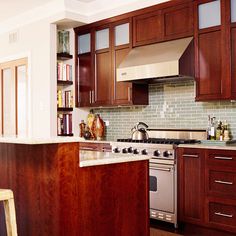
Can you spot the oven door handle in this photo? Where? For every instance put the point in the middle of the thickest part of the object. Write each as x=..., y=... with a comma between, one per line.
x=161, y=168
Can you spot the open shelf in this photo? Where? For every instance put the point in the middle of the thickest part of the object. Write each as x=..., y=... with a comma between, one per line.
x=64, y=82
x=66, y=109
x=65, y=135
x=64, y=56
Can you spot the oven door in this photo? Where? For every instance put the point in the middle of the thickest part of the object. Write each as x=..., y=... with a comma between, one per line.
x=162, y=187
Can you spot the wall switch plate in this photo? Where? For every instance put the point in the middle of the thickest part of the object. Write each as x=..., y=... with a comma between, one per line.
x=107, y=123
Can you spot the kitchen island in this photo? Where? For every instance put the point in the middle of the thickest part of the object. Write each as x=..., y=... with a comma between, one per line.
x=60, y=190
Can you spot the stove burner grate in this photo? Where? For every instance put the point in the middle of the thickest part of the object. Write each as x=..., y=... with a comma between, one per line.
x=161, y=141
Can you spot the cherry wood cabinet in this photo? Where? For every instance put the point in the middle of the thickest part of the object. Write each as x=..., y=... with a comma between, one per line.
x=207, y=187
x=212, y=50
x=165, y=24
x=86, y=86
x=148, y=28
x=56, y=197
x=191, y=185
x=233, y=58
x=178, y=21
x=97, y=70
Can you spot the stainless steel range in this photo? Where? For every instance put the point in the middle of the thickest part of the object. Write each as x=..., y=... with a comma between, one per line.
x=161, y=147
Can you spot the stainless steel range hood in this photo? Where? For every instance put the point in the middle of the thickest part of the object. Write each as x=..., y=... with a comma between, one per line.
x=158, y=62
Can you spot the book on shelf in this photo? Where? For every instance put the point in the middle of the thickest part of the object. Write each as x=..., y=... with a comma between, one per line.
x=64, y=124
x=64, y=99
x=64, y=72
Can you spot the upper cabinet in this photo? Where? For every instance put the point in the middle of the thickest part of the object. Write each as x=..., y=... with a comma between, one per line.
x=167, y=24
x=209, y=14
x=212, y=50
x=85, y=89
x=110, y=44
x=103, y=81
x=233, y=11
x=233, y=46
x=147, y=28
x=178, y=21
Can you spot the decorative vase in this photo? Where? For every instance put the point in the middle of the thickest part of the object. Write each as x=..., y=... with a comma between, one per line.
x=98, y=127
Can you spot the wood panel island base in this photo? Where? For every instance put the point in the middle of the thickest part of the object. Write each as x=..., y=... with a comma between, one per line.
x=54, y=196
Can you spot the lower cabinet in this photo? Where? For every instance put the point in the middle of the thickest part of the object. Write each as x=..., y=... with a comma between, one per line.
x=207, y=187
x=191, y=185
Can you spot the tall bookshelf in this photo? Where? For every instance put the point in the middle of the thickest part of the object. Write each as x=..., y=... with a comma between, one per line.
x=65, y=83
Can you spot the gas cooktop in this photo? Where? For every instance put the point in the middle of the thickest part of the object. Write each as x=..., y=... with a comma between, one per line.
x=161, y=141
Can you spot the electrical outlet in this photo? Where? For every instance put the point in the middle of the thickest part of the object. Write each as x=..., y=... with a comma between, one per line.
x=107, y=123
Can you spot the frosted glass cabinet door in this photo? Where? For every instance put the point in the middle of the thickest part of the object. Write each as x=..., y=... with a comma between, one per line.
x=209, y=14
x=122, y=34
x=233, y=11
x=22, y=95
x=9, y=102
x=102, y=39
x=84, y=42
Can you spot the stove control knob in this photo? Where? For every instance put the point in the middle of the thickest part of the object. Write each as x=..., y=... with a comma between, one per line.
x=167, y=154
x=116, y=150
x=157, y=153
x=130, y=150
x=124, y=150
x=136, y=151
x=144, y=152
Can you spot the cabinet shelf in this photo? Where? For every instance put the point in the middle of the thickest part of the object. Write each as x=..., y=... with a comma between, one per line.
x=66, y=109
x=64, y=56
x=64, y=82
x=65, y=135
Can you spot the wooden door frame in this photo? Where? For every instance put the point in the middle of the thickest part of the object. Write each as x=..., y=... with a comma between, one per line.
x=12, y=65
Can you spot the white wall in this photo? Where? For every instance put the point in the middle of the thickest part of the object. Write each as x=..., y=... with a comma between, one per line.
x=33, y=41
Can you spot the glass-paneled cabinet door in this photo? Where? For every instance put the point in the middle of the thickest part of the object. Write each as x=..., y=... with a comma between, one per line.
x=102, y=39
x=233, y=11
x=122, y=34
x=209, y=14
x=84, y=43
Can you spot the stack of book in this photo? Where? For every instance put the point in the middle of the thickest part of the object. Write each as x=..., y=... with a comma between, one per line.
x=64, y=124
x=64, y=72
x=64, y=99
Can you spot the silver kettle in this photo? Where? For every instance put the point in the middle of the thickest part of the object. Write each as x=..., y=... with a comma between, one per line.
x=139, y=133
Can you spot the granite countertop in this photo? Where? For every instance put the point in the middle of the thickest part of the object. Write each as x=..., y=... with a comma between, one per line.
x=49, y=140
x=93, y=158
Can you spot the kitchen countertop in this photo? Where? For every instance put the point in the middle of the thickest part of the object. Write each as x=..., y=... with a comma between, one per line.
x=93, y=158
x=49, y=140
x=204, y=146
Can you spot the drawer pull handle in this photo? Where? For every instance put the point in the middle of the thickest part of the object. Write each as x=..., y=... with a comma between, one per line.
x=223, y=182
x=224, y=158
x=224, y=215
x=190, y=155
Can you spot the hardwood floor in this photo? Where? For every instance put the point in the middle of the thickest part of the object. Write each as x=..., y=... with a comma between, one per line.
x=159, y=228
x=159, y=232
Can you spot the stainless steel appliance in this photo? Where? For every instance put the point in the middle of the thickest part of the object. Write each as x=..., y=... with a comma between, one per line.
x=161, y=147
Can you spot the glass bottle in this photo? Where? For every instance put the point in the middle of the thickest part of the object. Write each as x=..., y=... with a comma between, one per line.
x=82, y=126
x=218, y=130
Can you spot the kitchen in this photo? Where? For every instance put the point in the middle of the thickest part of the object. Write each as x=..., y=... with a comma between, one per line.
x=168, y=104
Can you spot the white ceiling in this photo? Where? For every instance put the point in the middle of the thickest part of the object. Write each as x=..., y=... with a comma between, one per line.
x=11, y=8
x=16, y=13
